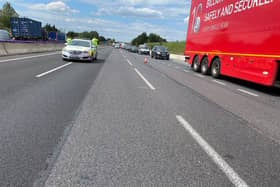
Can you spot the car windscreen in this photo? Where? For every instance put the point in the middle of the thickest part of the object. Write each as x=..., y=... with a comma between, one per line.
x=162, y=49
x=80, y=43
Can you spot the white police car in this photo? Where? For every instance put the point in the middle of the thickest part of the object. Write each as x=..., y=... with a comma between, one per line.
x=79, y=49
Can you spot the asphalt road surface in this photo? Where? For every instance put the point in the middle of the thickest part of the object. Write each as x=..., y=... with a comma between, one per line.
x=120, y=122
x=35, y=111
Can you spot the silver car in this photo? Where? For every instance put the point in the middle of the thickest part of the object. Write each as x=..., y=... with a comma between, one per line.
x=4, y=35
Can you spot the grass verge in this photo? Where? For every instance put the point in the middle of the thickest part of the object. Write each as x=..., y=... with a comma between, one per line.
x=173, y=47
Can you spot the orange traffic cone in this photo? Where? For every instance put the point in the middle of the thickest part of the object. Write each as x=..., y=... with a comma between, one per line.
x=146, y=60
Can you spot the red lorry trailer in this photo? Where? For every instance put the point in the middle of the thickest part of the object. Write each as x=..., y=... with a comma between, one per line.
x=236, y=38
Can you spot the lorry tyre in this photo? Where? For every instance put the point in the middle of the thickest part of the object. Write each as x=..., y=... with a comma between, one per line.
x=204, y=66
x=196, y=65
x=216, y=68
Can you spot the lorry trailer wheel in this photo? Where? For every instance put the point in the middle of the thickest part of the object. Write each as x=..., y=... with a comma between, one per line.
x=204, y=66
x=216, y=68
x=196, y=66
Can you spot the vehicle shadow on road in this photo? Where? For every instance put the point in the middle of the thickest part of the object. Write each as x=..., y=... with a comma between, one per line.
x=98, y=61
x=273, y=91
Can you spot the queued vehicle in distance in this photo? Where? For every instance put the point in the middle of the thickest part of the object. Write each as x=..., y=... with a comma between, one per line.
x=128, y=47
x=239, y=39
x=134, y=49
x=117, y=45
x=56, y=36
x=143, y=49
x=160, y=52
x=79, y=49
x=123, y=45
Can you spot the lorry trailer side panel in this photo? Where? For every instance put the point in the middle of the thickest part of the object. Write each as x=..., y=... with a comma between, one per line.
x=245, y=35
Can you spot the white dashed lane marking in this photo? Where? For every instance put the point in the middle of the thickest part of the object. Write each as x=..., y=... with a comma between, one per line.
x=199, y=75
x=219, y=82
x=217, y=159
x=144, y=79
x=53, y=70
x=247, y=92
x=129, y=62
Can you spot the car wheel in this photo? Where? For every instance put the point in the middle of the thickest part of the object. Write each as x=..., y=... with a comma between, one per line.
x=216, y=68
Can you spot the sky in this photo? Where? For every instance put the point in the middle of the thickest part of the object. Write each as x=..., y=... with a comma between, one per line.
x=119, y=19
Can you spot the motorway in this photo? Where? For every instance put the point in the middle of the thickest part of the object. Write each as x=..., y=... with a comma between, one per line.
x=120, y=122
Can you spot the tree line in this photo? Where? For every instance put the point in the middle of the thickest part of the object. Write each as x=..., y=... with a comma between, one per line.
x=7, y=12
x=86, y=35
x=144, y=38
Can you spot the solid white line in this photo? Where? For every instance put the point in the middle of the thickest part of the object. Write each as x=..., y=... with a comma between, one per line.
x=145, y=80
x=219, y=82
x=199, y=75
x=28, y=57
x=52, y=70
x=129, y=62
x=247, y=92
x=187, y=71
x=218, y=160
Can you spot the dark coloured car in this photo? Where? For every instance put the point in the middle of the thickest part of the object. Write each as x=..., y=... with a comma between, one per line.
x=160, y=52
